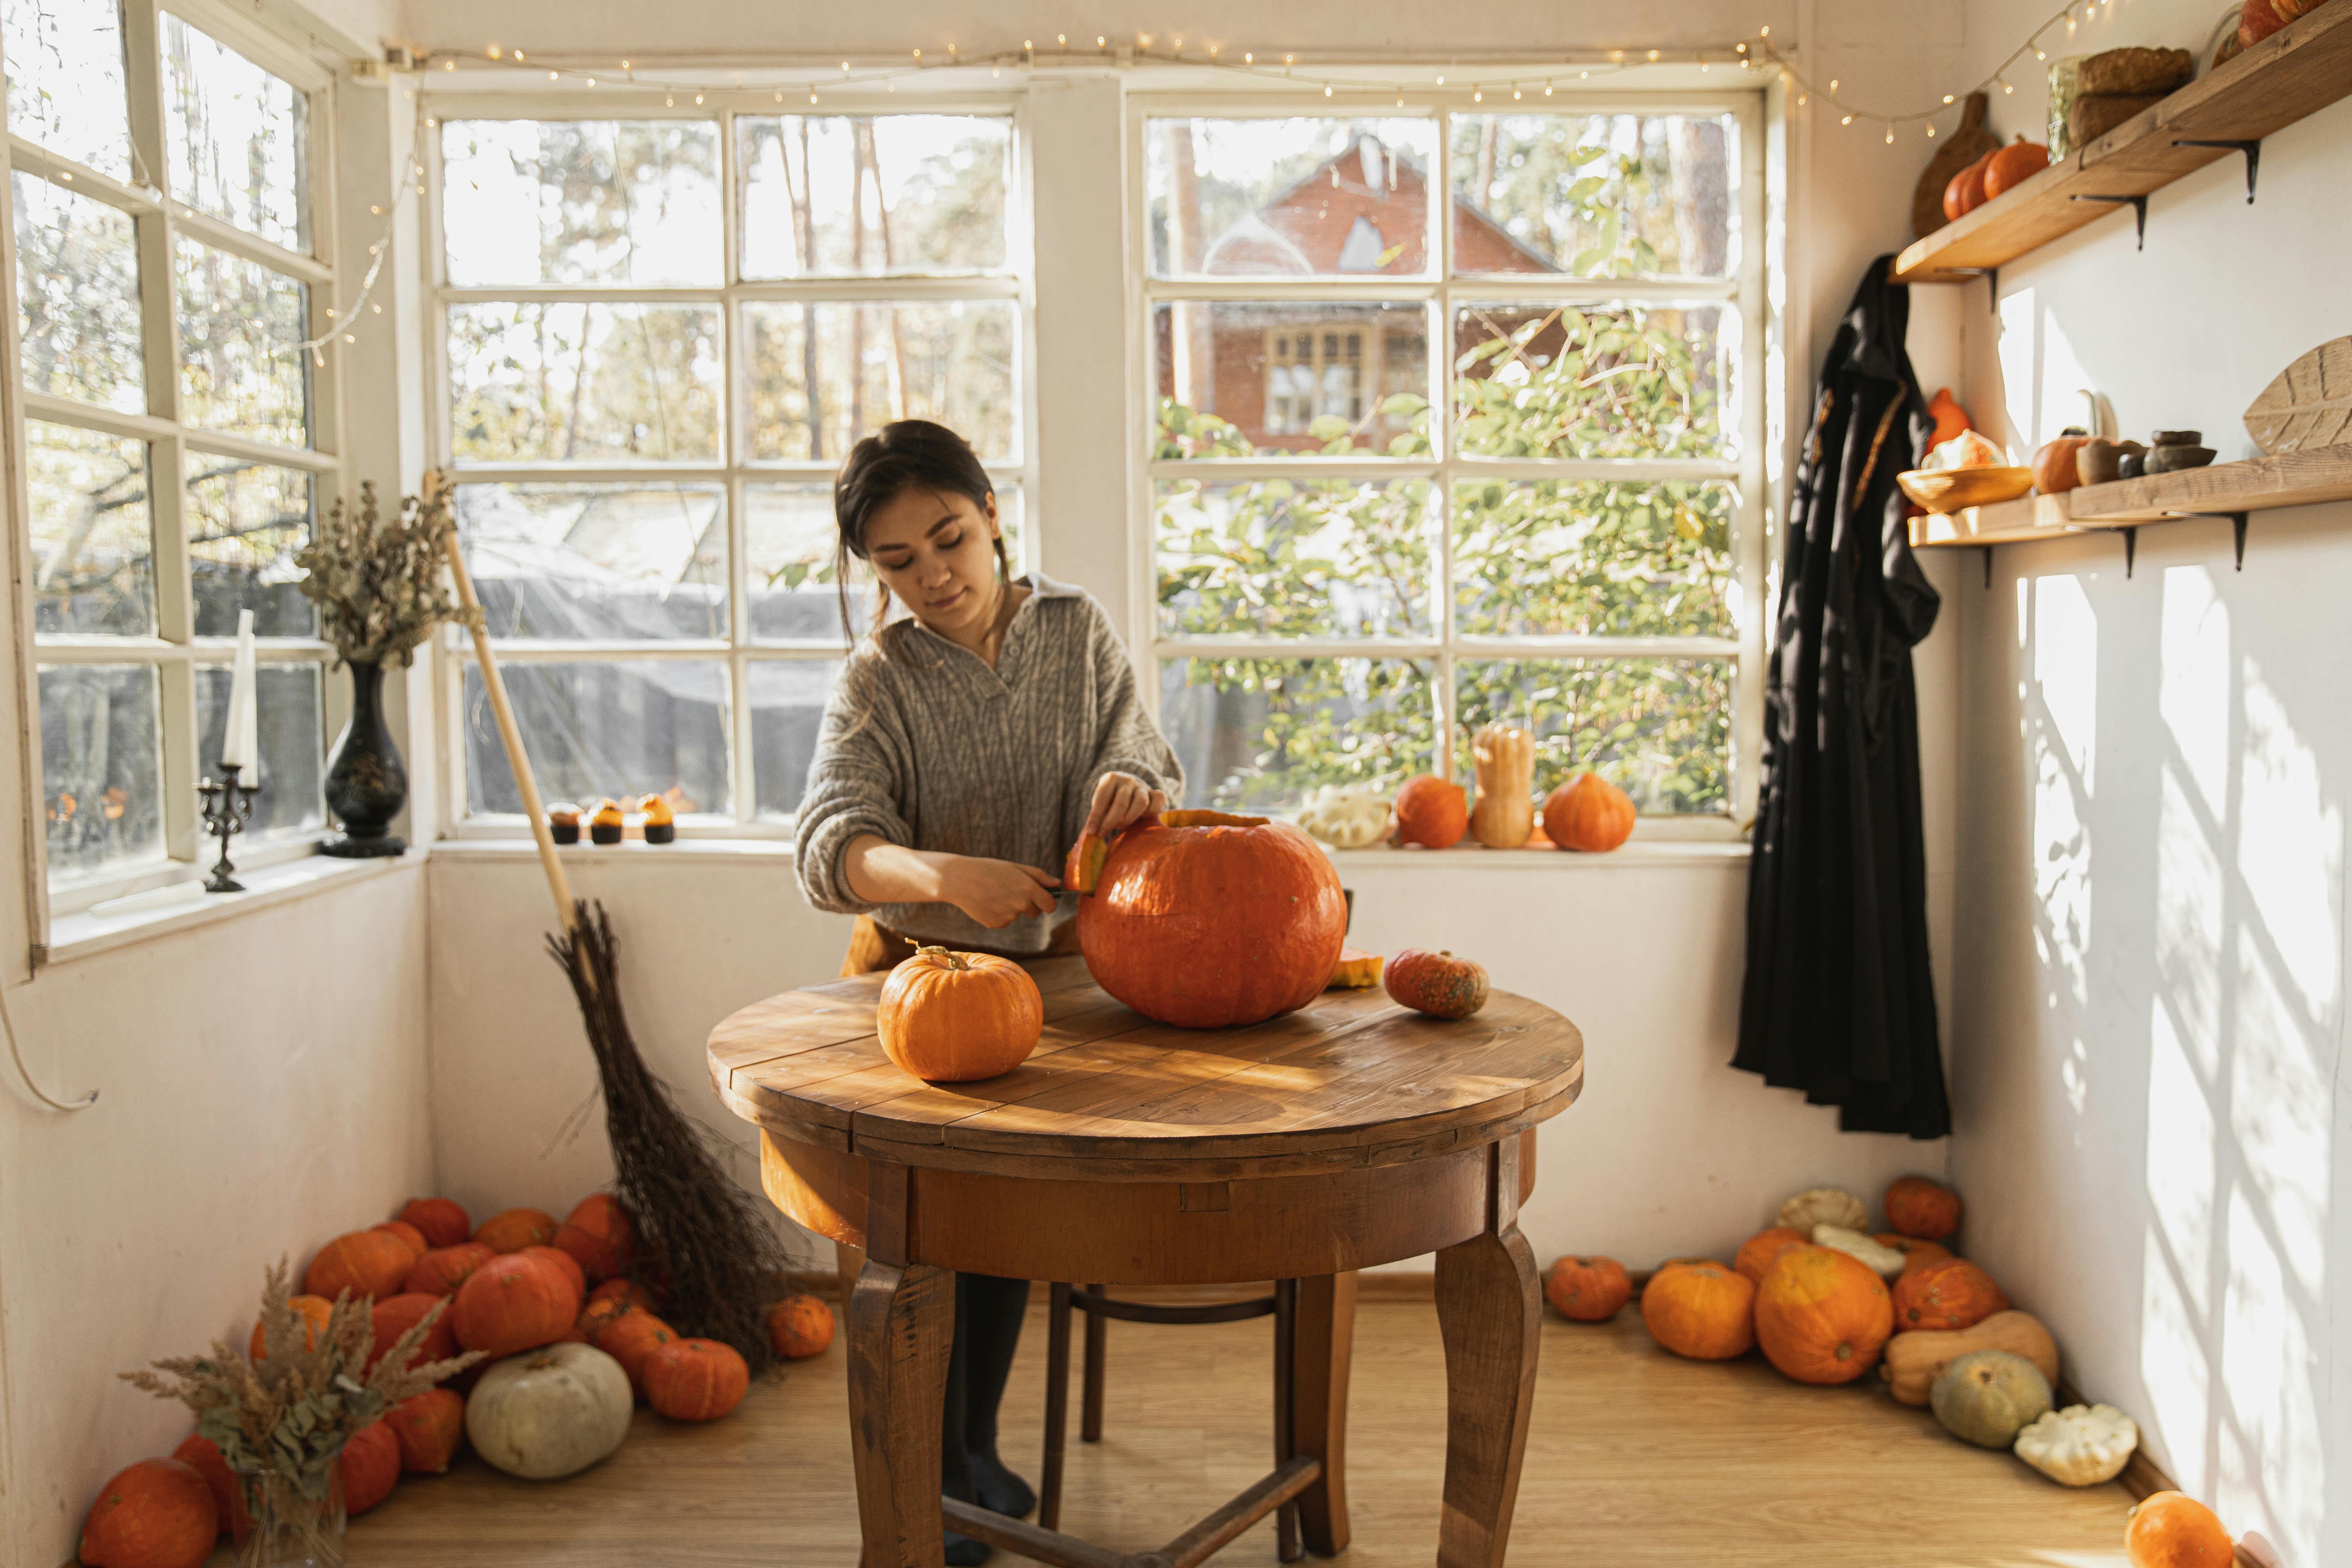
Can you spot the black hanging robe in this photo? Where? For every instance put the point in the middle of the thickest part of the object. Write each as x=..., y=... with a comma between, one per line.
x=1838, y=1000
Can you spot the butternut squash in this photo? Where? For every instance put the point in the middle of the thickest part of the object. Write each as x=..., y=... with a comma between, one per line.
x=1914, y=1360
x=1504, y=758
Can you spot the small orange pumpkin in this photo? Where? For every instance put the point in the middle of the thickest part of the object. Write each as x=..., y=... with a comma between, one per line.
x=1432, y=812
x=428, y=1427
x=511, y=1230
x=1358, y=971
x=406, y=1234
x=2173, y=1529
x=513, y=1303
x=2014, y=165
x=631, y=1338
x=1588, y=1290
x=1757, y=1253
x=364, y=1262
x=1589, y=814
x=599, y=1236
x=2055, y=470
x=799, y=1327
x=441, y=1222
x=956, y=1017
x=202, y=1455
x=696, y=1379
x=159, y=1513
x=440, y=1271
x=370, y=1465
x=1918, y=1206
x=314, y=1311
x=629, y=1293
x=1950, y=1293
x=1917, y=1254
x=1822, y=1316
x=396, y=1315
x=1437, y=984
x=1701, y=1309
x=564, y=1263
x=1962, y=195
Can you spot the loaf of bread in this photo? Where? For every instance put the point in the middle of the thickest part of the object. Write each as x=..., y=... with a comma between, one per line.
x=2120, y=72
x=2093, y=114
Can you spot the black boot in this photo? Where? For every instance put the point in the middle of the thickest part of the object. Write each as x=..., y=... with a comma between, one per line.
x=988, y=1314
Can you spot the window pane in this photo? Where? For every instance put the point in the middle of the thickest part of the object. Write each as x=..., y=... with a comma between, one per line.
x=1261, y=734
x=287, y=716
x=1658, y=729
x=1307, y=377
x=825, y=196
x=787, y=705
x=65, y=80
x=78, y=297
x=1555, y=559
x=1620, y=381
x=580, y=201
x=949, y=360
x=237, y=137
x=100, y=764
x=598, y=563
x=630, y=727
x=239, y=370
x=93, y=535
x=1597, y=195
x=1289, y=197
x=617, y=383
x=1294, y=557
x=245, y=520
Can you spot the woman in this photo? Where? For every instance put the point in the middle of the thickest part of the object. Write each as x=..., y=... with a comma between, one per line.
x=963, y=750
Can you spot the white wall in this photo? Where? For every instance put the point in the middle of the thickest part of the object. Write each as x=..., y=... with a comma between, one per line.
x=2156, y=772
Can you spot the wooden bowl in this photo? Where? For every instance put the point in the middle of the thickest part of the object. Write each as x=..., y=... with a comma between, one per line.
x=1956, y=490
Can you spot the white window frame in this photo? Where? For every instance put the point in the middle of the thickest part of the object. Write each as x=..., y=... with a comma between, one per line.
x=736, y=467
x=175, y=652
x=1745, y=290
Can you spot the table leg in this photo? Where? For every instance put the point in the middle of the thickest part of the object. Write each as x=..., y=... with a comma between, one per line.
x=901, y=1329
x=1489, y=1308
x=1323, y=1349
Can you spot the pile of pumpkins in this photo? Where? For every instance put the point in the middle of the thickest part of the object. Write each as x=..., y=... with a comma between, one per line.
x=565, y=1318
x=1587, y=813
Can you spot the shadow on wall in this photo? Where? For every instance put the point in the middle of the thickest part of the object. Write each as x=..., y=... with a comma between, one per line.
x=2152, y=917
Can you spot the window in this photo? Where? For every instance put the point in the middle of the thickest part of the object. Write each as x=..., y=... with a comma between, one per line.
x=1455, y=417
x=165, y=262
x=662, y=332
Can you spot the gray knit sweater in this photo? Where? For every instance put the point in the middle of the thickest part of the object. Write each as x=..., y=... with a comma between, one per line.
x=927, y=747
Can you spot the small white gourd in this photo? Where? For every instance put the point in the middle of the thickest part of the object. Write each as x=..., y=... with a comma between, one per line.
x=549, y=1411
x=1825, y=1205
x=1881, y=1261
x=2081, y=1446
x=1346, y=816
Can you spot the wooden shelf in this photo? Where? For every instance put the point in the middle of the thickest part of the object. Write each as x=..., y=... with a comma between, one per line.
x=2261, y=484
x=2303, y=67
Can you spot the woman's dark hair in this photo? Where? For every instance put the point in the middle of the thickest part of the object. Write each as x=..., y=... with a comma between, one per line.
x=904, y=455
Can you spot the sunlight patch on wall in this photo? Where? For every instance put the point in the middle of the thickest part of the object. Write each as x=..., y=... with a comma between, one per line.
x=2063, y=747
x=2291, y=847
x=2273, y=1468
x=2279, y=1104
x=2182, y=1166
x=2017, y=342
x=2188, y=923
x=2174, y=1370
x=2194, y=690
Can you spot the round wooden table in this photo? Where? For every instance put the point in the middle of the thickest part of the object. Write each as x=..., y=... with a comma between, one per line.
x=1349, y=1133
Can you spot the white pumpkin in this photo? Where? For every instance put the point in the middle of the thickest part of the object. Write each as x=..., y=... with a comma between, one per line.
x=549, y=1411
x=1346, y=818
x=2081, y=1446
x=1825, y=1205
x=1883, y=1261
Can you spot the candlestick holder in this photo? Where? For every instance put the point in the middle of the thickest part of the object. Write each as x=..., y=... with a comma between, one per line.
x=228, y=806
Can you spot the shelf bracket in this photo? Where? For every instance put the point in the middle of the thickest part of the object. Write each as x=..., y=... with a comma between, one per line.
x=2138, y=206
x=2237, y=529
x=1987, y=555
x=2131, y=550
x=2253, y=149
x=1991, y=275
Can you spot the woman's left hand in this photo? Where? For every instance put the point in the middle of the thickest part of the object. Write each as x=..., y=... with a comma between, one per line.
x=1122, y=799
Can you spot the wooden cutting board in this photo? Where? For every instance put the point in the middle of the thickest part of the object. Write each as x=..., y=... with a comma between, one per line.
x=1968, y=143
x=2308, y=404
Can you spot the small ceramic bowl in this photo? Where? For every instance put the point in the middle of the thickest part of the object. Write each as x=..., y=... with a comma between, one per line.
x=2166, y=459
x=1956, y=490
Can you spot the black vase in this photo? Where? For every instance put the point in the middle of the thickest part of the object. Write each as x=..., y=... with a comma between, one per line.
x=366, y=783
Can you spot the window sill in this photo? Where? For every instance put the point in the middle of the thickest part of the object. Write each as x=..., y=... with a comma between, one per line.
x=586, y=854
x=1651, y=854
x=82, y=935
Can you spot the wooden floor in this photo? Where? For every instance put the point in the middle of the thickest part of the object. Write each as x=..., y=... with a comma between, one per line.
x=1635, y=1458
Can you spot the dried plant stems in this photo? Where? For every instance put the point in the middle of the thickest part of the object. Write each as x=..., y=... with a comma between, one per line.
x=377, y=581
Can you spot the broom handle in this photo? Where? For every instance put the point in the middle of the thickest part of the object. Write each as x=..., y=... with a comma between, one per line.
x=510, y=736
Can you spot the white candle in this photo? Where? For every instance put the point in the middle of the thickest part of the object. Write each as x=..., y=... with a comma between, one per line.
x=240, y=740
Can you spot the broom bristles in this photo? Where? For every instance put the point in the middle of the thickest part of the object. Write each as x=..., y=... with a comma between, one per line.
x=722, y=1260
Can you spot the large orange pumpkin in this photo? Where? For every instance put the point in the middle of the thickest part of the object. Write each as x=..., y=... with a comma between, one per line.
x=598, y=1233
x=396, y=1315
x=1757, y=1253
x=1822, y=1316
x=1918, y=1206
x=511, y=1230
x=1432, y=812
x=370, y=1464
x=364, y=1262
x=1917, y=1254
x=313, y=1310
x=800, y=1326
x=564, y=1263
x=1588, y=1290
x=1587, y=812
x=631, y=1338
x=1702, y=1310
x=1951, y=1293
x=407, y=1234
x=440, y=1271
x=514, y=1303
x=958, y=1017
x=159, y=1513
x=202, y=1455
x=1225, y=923
x=442, y=1221
x=694, y=1379
x=2173, y=1529
x=429, y=1426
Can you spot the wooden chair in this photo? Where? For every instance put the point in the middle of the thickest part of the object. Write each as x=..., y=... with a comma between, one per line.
x=1099, y=1310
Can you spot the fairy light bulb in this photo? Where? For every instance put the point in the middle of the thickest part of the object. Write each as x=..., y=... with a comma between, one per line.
x=1547, y=90
x=1833, y=82
x=812, y=95
x=1515, y=93
x=551, y=76
x=2006, y=88
x=494, y=51
x=1327, y=89
x=1890, y=135
x=1653, y=54
x=1847, y=121
x=1931, y=133
x=1477, y=95
x=518, y=57
x=1948, y=97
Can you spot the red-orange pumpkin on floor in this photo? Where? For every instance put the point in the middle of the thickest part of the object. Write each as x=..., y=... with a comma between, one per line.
x=2173, y=1529
x=564, y=1263
x=371, y=1467
x=364, y=1262
x=596, y=1314
x=1918, y=1206
x=1588, y=1290
x=440, y=1271
x=1214, y=924
x=1587, y=812
x=629, y=1293
x=1757, y=1253
x=1917, y=1254
x=800, y=1326
x=630, y=1339
x=598, y=1233
x=696, y=1379
x=958, y=1017
x=1821, y=1315
x=511, y=1304
x=442, y=1221
x=202, y=1455
x=406, y=1234
x=429, y=1426
x=1701, y=1309
x=157, y=1514
x=1437, y=984
x=1431, y=811
x=396, y=1315
x=314, y=1311
x=1951, y=1293
x=511, y=1230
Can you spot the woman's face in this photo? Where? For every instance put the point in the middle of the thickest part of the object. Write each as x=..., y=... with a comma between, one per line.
x=936, y=550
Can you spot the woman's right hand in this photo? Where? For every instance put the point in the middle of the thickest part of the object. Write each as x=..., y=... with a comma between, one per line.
x=995, y=892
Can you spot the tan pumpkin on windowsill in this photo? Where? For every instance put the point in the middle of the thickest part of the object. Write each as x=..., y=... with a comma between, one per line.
x=1504, y=757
